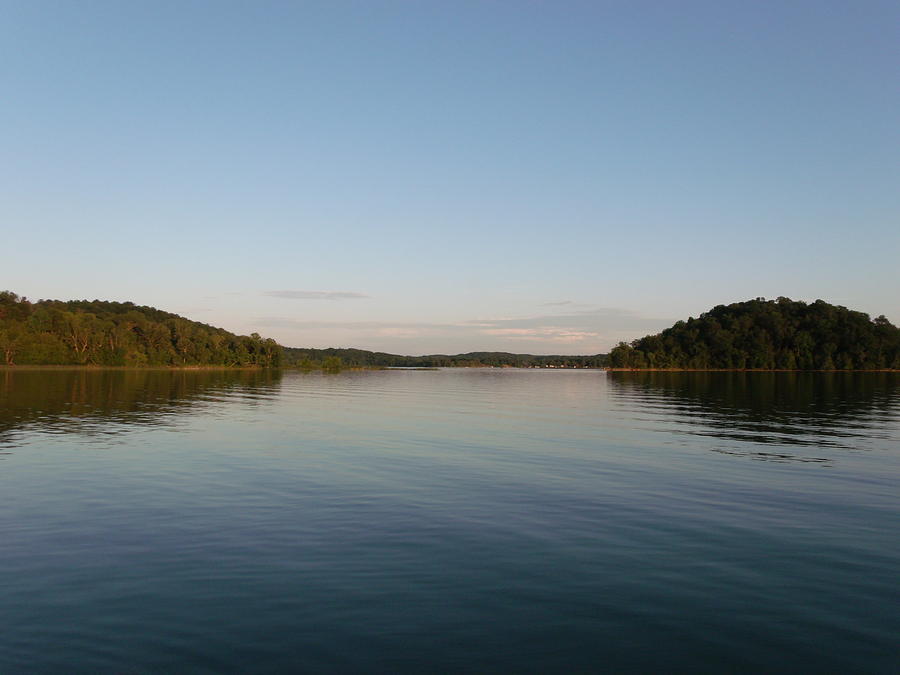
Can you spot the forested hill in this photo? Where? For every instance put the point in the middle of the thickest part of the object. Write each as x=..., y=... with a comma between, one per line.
x=362, y=358
x=769, y=335
x=82, y=332
x=758, y=334
x=51, y=332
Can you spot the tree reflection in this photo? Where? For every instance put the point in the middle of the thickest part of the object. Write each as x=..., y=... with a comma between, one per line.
x=836, y=410
x=88, y=401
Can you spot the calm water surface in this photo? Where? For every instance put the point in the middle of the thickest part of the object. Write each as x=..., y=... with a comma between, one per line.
x=449, y=521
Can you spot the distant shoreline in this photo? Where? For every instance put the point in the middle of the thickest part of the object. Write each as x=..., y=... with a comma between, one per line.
x=89, y=367
x=96, y=367
x=749, y=370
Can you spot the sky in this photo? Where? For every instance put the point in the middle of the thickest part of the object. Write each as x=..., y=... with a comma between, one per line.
x=441, y=177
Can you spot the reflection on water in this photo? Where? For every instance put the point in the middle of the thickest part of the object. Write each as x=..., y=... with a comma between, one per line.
x=457, y=520
x=846, y=411
x=93, y=402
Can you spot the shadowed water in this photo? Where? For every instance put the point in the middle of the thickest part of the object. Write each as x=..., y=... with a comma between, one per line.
x=452, y=520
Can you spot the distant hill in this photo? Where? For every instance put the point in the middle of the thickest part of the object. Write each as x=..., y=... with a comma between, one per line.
x=769, y=335
x=95, y=332
x=361, y=358
x=757, y=334
x=52, y=332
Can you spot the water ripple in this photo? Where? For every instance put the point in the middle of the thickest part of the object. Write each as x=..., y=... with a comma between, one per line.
x=449, y=521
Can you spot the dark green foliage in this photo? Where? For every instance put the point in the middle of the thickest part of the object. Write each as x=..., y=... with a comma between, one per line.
x=51, y=332
x=360, y=358
x=82, y=332
x=769, y=335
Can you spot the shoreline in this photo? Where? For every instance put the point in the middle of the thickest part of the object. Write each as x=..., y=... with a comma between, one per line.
x=27, y=367
x=747, y=370
x=95, y=367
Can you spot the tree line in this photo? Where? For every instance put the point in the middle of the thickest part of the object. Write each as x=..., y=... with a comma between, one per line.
x=758, y=334
x=361, y=358
x=780, y=334
x=82, y=332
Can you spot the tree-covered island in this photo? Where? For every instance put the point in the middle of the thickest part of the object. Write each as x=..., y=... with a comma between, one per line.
x=762, y=334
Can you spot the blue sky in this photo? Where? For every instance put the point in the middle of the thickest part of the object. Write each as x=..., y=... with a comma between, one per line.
x=418, y=177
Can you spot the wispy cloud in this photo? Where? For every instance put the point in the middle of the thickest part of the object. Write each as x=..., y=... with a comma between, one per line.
x=584, y=332
x=316, y=295
x=568, y=304
x=222, y=295
x=547, y=333
x=599, y=320
x=301, y=324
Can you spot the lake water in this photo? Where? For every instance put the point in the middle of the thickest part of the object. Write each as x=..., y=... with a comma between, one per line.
x=449, y=521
